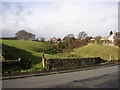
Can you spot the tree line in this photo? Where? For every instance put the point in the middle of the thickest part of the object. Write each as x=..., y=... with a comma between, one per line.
x=68, y=42
x=24, y=35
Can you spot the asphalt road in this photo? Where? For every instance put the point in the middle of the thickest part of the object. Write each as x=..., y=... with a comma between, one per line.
x=106, y=77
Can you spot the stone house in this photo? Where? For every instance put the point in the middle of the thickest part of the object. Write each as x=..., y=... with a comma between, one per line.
x=55, y=40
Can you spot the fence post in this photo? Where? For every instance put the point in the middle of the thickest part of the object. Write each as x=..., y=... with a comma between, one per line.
x=110, y=57
x=20, y=64
x=19, y=59
x=43, y=59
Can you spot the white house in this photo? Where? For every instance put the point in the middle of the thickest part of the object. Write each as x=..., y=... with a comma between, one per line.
x=113, y=36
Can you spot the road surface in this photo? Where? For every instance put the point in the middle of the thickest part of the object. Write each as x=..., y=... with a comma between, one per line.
x=106, y=77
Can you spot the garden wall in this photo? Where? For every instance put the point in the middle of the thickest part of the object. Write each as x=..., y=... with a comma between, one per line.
x=72, y=63
x=11, y=65
x=15, y=65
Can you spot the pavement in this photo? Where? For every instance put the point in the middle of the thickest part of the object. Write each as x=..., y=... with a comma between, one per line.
x=103, y=77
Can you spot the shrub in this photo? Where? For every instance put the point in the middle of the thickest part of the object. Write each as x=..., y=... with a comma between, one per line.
x=117, y=42
x=71, y=43
x=25, y=64
x=61, y=45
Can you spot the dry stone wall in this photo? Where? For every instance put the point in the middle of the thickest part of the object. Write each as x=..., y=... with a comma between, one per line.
x=15, y=65
x=72, y=63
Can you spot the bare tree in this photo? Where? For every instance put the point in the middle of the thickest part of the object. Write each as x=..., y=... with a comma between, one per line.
x=24, y=35
x=82, y=34
x=42, y=39
x=70, y=36
x=111, y=32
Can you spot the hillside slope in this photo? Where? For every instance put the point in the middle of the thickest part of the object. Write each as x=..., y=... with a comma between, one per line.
x=14, y=49
x=33, y=49
x=95, y=50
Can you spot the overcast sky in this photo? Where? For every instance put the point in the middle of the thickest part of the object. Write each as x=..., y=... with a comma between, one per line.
x=57, y=19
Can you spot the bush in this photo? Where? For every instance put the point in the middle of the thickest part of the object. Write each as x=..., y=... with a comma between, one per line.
x=53, y=50
x=25, y=64
x=117, y=42
x=61, y=45
x=71, y=43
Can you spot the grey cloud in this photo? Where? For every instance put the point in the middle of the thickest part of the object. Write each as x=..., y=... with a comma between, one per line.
x=60, y=19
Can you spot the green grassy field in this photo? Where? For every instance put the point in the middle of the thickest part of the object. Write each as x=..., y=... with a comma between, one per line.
x=14, y=49
x=29, y=49
x=95, y=50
